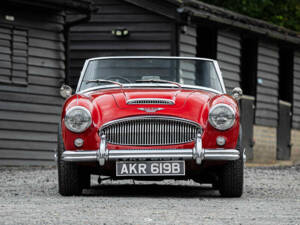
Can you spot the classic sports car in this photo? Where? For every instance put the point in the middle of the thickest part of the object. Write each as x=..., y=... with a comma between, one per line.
x=150, y=118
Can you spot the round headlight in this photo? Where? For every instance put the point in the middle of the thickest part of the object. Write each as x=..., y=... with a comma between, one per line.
x=78, y=119
x=221, y=117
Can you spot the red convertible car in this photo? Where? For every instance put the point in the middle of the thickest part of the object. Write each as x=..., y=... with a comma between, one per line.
x=150, y=118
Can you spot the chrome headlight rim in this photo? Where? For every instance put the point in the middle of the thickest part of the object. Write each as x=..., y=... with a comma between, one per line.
x=68, y=115
x=221, y=105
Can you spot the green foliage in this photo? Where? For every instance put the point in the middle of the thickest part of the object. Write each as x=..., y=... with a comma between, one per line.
x=284, y=13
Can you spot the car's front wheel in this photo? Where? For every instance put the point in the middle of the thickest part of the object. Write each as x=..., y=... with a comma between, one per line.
x=69, y=174
x=231, y=178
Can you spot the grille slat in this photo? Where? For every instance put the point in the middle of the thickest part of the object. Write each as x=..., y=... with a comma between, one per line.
x=150, y=130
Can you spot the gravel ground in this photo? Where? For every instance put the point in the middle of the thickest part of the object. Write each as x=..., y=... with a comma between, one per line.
x=29, y=196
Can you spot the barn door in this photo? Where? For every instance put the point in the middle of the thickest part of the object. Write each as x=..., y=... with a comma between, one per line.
x=286, y=56
x=249, y=48
x=284, y=131
x=247, y=119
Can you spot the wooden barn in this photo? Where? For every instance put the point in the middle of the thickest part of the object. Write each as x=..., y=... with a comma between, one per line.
x=32, y=68
x=38, y=52
x=262, y=58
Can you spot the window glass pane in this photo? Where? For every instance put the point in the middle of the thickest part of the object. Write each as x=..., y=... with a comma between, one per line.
x=129, y=70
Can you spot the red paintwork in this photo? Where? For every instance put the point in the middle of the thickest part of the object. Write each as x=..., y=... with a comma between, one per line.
x=110, y=104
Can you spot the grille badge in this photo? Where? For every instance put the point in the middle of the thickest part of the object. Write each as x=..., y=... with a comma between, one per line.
x=150, y=109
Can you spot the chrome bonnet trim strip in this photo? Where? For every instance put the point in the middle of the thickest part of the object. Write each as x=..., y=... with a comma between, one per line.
x=152, y=101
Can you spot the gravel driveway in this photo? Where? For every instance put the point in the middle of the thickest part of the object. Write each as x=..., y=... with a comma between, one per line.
x=29, y=196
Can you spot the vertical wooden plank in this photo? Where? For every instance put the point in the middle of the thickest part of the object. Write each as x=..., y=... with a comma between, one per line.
x=267, y=84
x=228, y=56
x=188, y=48
x=5, y=54
x=20, y=61
x=188, y=41
x=296, y=91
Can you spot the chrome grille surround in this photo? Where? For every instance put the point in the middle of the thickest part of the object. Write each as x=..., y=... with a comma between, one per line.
x=150, y=130
x=150, y=101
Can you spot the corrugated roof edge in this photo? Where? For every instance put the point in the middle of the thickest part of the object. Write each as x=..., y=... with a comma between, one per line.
x=217, y=14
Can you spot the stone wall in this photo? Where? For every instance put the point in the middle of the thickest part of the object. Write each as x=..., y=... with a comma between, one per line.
x=295, y=141
x=264, y=150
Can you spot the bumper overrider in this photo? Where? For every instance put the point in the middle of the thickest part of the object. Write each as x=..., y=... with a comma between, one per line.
x=197, y=153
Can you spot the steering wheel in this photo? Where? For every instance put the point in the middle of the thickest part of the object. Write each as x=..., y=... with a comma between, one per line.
x=118, y=77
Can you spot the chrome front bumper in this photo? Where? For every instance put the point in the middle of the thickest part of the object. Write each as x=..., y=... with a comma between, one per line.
x=197, y=153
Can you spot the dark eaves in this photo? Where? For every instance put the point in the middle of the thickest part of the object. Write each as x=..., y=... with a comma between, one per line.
x=201, y=10
x=80, y=6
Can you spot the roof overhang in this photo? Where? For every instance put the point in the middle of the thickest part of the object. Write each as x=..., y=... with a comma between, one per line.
x=80, y=6
x=198, y=11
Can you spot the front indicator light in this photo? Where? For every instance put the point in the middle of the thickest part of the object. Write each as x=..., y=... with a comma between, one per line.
x=221, y=141
x=78, y=142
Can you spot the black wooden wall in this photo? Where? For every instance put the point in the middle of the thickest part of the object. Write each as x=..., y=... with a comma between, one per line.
x=31, y=67
x=267, y=84
x=187, y=48
x=188, y=41
x=149, y=34
x=229, y=56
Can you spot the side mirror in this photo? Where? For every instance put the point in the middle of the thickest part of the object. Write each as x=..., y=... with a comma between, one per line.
x=65, y=91
x=237, y=93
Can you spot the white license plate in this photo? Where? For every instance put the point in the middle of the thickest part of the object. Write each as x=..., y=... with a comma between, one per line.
x=150, y=168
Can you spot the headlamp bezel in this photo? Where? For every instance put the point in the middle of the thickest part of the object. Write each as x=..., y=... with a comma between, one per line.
x=213, y=124
x=68, y=115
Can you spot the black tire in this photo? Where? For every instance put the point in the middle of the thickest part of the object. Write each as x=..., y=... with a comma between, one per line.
x=231, y=178
x=85, y=178
x=69, y=175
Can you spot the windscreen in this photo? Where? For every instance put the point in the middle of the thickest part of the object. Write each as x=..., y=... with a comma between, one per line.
x=131, y=70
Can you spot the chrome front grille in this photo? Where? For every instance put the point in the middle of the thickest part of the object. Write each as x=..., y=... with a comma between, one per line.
x=150, y=130
x=151, y=101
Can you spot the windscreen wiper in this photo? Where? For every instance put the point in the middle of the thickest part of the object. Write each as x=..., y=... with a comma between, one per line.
x=159, y=81
x=103, y=81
